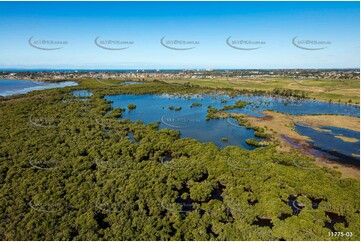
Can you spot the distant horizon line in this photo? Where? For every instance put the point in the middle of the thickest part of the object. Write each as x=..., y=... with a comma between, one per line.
x=167, y=69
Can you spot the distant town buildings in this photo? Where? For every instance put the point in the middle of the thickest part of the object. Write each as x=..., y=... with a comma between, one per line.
x=181, y=74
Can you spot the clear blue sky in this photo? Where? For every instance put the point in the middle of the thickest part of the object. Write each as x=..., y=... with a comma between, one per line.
x=209, y=23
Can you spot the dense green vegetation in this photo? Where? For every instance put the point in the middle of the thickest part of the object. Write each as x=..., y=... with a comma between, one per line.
x=132, y=106
x=289, y=93
x=175, y=109
x=239, y=104
x=196, y=104
x=77, y=172
x=254, y=142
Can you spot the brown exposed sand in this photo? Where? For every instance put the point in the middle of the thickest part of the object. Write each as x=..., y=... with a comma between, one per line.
x=346, y=139
x=282, y=127
x=278, y=122
x=347, y=122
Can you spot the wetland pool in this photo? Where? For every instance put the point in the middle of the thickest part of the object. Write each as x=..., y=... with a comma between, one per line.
x=190, y=119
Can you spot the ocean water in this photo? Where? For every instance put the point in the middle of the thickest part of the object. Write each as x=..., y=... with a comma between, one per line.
x=13, y=87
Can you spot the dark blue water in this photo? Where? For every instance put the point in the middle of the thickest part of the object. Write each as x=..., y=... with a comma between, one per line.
x=327, y=145
x=12, y=87
x=191, y=121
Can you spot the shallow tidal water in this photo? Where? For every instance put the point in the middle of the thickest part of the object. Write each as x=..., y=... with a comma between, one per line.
x=191, y=121
x=326, y=143
x=13, y=87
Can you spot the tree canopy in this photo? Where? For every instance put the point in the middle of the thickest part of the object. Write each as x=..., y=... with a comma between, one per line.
x=75, y=170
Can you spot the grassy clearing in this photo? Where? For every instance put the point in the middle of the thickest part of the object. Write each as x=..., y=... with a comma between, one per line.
x=323, y=90
x=337, y=91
